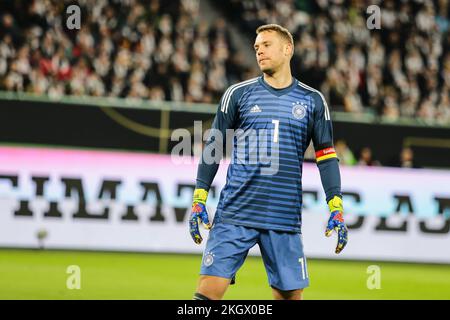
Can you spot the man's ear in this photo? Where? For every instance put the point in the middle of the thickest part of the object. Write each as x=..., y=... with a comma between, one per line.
x=288, y=49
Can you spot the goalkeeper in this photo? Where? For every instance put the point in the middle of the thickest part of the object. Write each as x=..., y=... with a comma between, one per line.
x=261, y=205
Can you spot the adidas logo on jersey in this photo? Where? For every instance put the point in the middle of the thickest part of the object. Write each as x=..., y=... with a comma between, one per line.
x=255, y=108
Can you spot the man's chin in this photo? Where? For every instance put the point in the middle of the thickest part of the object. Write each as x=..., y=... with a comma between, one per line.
x=267, y=70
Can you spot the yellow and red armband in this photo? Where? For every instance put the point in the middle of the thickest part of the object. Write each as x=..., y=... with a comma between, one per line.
x=325, y=154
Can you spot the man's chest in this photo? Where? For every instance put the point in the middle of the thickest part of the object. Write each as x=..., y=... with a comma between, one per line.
x=285, y=113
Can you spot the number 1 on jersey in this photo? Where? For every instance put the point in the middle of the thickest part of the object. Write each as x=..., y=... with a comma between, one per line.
x=275, y=133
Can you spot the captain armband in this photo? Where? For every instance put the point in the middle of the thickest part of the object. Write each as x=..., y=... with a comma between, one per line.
x=325, y=154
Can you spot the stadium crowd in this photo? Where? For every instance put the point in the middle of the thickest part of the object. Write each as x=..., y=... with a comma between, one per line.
x=163, y=50
x=159, y=50
x=401, y=69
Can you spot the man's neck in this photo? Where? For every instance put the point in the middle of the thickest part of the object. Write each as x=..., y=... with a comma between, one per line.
x=279, y=80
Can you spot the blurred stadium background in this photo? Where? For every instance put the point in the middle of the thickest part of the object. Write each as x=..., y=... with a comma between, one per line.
x=87, y=126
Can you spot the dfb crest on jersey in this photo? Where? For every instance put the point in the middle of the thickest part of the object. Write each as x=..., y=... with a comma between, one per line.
x=299, y=110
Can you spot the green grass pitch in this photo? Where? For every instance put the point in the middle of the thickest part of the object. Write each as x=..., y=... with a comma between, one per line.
x=41, y=274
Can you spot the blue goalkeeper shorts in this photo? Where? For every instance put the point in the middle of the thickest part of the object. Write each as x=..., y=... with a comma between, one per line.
x=282, y=253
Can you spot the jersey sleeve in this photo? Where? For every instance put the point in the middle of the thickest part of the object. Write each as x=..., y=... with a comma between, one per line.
x=225, y=118
x=322, y=134
x=326, y=157
x=226, y=113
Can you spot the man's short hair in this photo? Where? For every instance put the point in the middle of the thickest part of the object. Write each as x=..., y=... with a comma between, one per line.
x=283, y=32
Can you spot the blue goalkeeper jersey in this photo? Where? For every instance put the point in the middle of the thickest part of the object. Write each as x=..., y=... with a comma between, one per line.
x=273, y=128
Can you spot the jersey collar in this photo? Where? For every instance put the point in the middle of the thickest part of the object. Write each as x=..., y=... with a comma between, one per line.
x=278, y=92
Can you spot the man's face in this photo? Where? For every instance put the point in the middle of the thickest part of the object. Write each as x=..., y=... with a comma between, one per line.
x=271, y=50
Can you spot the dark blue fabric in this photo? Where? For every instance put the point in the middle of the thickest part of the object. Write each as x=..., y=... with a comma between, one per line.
x=331, y=177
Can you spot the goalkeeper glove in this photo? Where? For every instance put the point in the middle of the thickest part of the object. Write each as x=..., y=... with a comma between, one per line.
x=336, y=222
x=198, y=213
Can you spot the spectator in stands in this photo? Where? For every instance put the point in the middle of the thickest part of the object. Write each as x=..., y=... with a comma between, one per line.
x=406, y=159
x=344, y=153
x=366, y=159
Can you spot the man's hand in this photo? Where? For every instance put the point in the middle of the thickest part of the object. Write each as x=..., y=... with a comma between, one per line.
x=198, y=213
x=336, y=222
